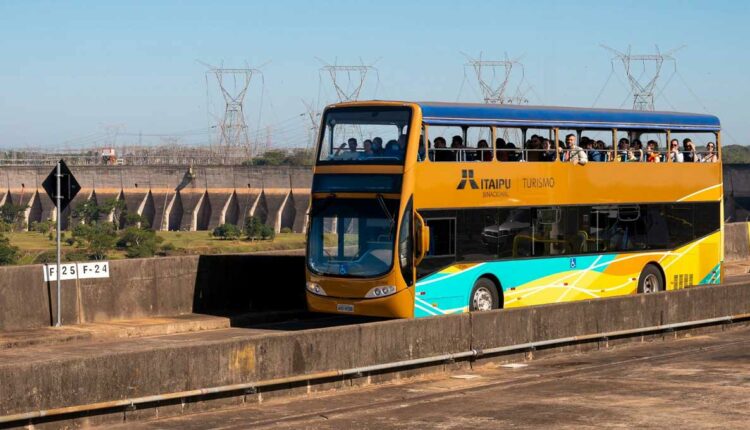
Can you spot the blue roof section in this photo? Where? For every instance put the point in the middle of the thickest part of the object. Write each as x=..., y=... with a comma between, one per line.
x=563, y=117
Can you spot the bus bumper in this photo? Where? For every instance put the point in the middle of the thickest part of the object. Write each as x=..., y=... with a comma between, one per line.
x=399, y=305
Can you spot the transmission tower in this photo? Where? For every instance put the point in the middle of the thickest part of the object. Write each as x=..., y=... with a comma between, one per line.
x=313, y=115
x=348, y=81
x=642, y=86
x=233, y=84
x=494, y=76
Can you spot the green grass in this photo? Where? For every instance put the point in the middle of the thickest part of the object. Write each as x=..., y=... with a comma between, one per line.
x=33, y=245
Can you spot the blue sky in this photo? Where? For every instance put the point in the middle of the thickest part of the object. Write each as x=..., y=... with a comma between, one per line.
x=73, y=72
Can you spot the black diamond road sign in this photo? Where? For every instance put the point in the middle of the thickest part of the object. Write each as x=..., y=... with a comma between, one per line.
x=69, y=187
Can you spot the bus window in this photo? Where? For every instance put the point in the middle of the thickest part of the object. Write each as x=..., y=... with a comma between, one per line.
x=539, y=145
x=478, y=144
x=364, y=135
x=512, y=233
x=473, y=240
x=597, y=144
x=695, y=147
x=508, y=144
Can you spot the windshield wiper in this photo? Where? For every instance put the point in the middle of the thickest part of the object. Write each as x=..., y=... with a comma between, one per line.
x=381, y=201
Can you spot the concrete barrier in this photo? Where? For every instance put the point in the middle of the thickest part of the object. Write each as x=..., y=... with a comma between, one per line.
x=153, y=287
x=149, y=366
x=736, y=241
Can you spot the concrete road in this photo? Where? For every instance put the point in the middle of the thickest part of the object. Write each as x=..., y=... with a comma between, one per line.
x=697, y=382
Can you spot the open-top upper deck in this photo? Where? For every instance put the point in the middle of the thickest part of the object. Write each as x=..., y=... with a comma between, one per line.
x=435, y=113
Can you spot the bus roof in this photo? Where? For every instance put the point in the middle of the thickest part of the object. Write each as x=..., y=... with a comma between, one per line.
x=564, y=117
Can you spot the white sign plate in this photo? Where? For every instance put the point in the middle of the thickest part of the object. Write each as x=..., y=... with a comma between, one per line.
x=93, y=269
x=67, y=270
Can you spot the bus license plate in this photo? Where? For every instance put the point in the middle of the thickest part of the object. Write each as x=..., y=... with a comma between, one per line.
x=345, y=308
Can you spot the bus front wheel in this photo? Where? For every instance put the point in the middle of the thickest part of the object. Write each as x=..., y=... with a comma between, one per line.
x=651, y=280
x=483, y=296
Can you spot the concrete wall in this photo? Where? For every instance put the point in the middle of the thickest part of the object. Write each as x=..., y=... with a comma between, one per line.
x=736, y=241
x=153, y=287
x=202, y=193
x=151, y=366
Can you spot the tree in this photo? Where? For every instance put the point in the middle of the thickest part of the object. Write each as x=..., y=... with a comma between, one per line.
x=139, y=242
x=11, y=216
x=97, y=238
x=116, y=207
x=256, y=229
x=227, y=231
x=87, y=211
x=8, y=252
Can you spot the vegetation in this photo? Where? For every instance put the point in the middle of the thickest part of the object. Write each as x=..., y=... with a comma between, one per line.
x=8, y=253
x=279, y=157
x=139, y=242
x=256, y=229
x=11, y=217
x=227, y=231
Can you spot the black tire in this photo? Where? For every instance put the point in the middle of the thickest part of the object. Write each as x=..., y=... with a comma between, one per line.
x=651, y=280
x=483, y=296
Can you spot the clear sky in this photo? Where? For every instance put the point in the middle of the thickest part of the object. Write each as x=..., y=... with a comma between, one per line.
x=71, y=72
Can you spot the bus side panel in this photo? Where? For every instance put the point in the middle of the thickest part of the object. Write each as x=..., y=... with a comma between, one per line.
x=527, y=282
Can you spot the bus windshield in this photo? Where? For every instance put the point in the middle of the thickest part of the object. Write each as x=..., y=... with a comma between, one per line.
x=352, y=237
x=364, y=135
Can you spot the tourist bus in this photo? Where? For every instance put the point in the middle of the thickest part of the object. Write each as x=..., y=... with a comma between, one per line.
x=423, y=209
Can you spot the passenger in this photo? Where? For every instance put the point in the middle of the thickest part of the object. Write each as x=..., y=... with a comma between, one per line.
x=675, y=156
x=562, y=151
x=392, y=149
x=603, y=150
x=457, y=145
x=377, y=146
x=533, y=149
x=652, y=152
x=597, y=153
x=577, y=154
x=688, y=153
x=485, y=153
x=441, y=151
x=502, y=153
x=637, y=148
x=549, y=152
x=351, y=154
x=711, y=155
x=623, y=150
x=367, y=153
x=513, y=155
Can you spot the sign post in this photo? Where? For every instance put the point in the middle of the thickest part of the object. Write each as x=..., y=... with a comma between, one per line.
x=61, y=186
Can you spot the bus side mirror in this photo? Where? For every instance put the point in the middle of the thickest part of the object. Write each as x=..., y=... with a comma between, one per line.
x=422, y=238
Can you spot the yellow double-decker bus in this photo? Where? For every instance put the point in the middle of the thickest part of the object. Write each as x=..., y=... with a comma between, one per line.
x=422, y=209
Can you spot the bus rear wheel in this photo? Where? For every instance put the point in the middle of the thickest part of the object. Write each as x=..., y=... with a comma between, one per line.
x=650, y=280
x=483, y=296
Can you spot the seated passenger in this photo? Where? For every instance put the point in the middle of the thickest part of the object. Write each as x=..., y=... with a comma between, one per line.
x=577, y=154
x=513, y=155
x=688, y=154
x=549, y=152
x=637, y=148
x=367, y=153
x=392, y=149
x=351, y=154
x=533, y=149
x=593, y=152
x=484, y=153
x=562, y=151
x=441, y=151
x=377, y=146
x=711, y=155
x=623, y=148
x=457, y=144
x=602, y=150
x=675, y=156
x=652, y=152
x=500, y=145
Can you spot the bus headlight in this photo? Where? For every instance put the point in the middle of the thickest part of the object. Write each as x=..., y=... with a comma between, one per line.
x=316, y=289
x=380, y=292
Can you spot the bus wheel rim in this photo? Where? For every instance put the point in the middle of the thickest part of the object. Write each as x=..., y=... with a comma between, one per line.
x=482, y=299
x=650, y=284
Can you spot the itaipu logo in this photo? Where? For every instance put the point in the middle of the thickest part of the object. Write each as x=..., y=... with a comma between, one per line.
x=491, y=187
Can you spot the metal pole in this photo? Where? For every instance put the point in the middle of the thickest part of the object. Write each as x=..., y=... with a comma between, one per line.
x=58, y=196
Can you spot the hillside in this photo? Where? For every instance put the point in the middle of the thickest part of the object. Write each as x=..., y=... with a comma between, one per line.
x=735, y=154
